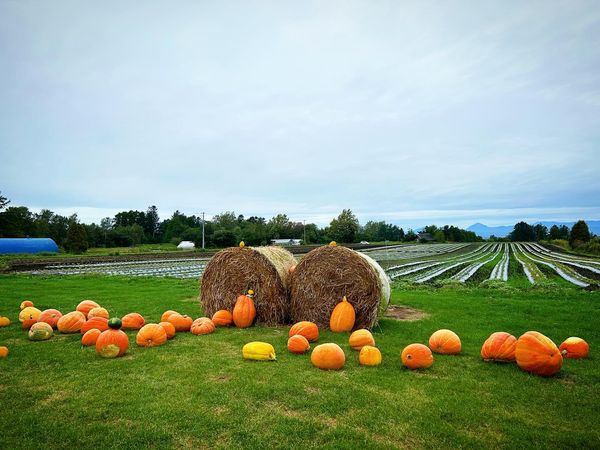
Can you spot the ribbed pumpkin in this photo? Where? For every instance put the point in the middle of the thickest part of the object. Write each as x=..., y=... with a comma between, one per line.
x=360, y=338
x=222, y=318
x=298, y=344
x=90, y=337
x=181, y=323
x=537, y=354
x=343, y=317
x=25, y=304
x=50, y=316
x=99, y=323
x=71, y=322
x=500, y=347
x=132, y=321
x=307, y=329
x=445, y=342
x=151, y=335
x=3, y=352
x=98, y=312
x=574, y=348
x=29, y=313
x=202, y=325
x=328, y=357
x=244, y=311
x=112, y=342
x=166, y=315
x=40, y=331
x=4, y=321
x=417, y=356
x=86, y=306
x=169, y=329
x=369, y=356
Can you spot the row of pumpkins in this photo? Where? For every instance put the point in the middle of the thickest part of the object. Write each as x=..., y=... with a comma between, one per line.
x=532, y=352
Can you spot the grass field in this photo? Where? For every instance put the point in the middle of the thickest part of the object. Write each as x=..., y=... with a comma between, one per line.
x=197, y=391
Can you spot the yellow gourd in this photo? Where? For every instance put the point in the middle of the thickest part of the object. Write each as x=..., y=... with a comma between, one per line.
x=259, y=351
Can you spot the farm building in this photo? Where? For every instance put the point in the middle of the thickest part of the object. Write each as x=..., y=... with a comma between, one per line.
x=27, y=245
x=286, y=241
x=186, y=245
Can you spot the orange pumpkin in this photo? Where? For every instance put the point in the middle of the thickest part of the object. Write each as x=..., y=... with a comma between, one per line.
x=369, y=356
x=90, y=337
x=222, y=318
x=537, y=354
x=244, y=311
x=50, y=316
x=3, y=352
x=500, y=346
x=99, y=323
x=98, y=312
x=328, y=357
x=360, y=338
x=86, y=306
x=202, y=325
x=29, y=313
x=574, y=348
x=71, y=322
x=343, y=317
x=417, y=356
x=292, y=269
x=151, y=335
x=166, y=315
x=169, y=329
x=28, y=323
x=132, y=321
x=4, y=321
x=307, y=329
x=445, y=342
x=112, y=342
x=26, y=304
x=181, y=323
x=298, y=344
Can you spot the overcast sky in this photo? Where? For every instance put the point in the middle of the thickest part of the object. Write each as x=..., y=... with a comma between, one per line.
x=411, y=112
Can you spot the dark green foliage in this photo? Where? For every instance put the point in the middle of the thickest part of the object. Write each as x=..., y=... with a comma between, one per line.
x=3, y=201
x=76, y=241
x=580, y=234
x=345, y=227
x=523, y=232
x=225, y=238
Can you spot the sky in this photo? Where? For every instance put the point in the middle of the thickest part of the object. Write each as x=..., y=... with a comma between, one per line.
x=448, y=112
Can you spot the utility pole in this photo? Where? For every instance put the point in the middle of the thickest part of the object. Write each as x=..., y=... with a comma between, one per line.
x=203, y=230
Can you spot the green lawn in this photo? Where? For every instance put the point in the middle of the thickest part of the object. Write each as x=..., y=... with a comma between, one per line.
x=197, y=391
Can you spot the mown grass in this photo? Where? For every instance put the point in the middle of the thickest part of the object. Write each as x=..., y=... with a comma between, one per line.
x=197, y=391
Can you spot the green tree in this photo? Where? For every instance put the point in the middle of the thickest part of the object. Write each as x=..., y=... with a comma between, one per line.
x=345, y=227
x=580, y=234
x=522, y=232
x=541, y=232
x=3, y=201
x=554, y=232
x=439, y=236
x=76, y=241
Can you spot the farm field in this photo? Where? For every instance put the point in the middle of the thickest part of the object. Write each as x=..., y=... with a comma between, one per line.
x=198, y=392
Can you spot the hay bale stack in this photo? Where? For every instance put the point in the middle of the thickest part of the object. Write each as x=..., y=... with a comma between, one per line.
x=328, y=273
x=233, y=271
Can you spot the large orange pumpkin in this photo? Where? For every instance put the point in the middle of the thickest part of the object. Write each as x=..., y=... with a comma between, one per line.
x=28, y=323
x=328, y=357
x=298, y=344
x=360, y=338
x=50, y=316
x=166, y=315
x=29, y=313
x=112, y=342
x=307, y=329
x=98, y=312
x=222, y=318
x=3, y=352
x=90, y=337
x=574, y=348
x=500, y=346
x=86, y=306
x=537, y=354
x=26, y=304
x=99, y=323
x=151, y=335
x=202, y=325
x=369, y=356
x=417, y=356
x=244, y=311
x=132, y=321
x=343, y=317
x=71, y=322
x=445, y=342
x=181, y=323
x=169, y=329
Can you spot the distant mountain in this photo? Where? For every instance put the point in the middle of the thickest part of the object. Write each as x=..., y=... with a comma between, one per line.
x=501, y=231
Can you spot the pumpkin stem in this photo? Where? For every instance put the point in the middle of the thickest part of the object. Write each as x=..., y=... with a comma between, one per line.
x=344, y=299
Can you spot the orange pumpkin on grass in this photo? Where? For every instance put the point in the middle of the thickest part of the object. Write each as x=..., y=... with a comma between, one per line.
x=445, y=342
x=222, y=318
x=343, y=317
x=29, y=313
x=99, y=323
x=360, y=338
x=166, y=315
x=71, y=322
x=574, y=348
x=202, y=325
x=181, y=323
x=307, y=329
x=500, y=347
x=132, y=321
x=244, y=311
x=90, y=337
x=25, y=304
x=417, y=356
x=151, y=335
x=3, y=352
x=537, y=354
x=50, y=316
x=86, y=306
x=369, y=356
x=98, y=312
x=112, y=342
x=298, y=344
x=4, y=321
x=328, y=357
x=169, y=329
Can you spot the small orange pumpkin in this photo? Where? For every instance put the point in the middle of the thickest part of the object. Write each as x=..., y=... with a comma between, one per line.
x=537, y=354
x=202, y=325
x=99, y=323
x=26, y=304
x=298, y=344
x=3, y=352
x=151, y=335
x=169, y=329
x=98, y=312
x=500, y=346
x=71, y=322
x=112, y=343
x=222, y=318
x=574, y=348
x=445, y=342
x=307, y=329
x=181, y=323
x=86, y=306
x=244, y=311
x=328, y=357
x=360, y=338
x=90, y=337
x=369, y=356
x=4, y=321
x=417, y=356
x=132, y=321
x=343, y=317
x=50, y=316
x=166, y=315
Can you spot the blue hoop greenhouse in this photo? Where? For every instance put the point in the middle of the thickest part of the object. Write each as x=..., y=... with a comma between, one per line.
x=27, y=245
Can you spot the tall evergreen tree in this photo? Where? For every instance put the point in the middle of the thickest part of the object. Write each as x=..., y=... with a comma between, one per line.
x=580, y=234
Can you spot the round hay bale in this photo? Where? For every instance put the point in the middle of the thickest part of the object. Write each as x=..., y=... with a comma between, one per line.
x=233, y=271
x=328, y=273
x=384, y=282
